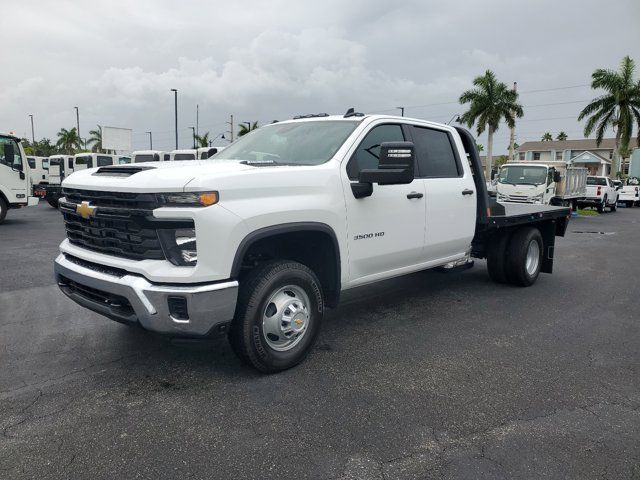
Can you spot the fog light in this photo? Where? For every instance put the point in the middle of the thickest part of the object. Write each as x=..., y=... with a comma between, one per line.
x=178, y=308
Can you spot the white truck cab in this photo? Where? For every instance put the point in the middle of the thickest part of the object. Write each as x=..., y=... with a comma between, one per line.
x=549, y=183
x=60, y=166
x=16, y=186
x=629, y=195
x=182, y=154
x=82, y=161
x=256, y=244
x=141, y=156
x=208, y=152
x=39, y=170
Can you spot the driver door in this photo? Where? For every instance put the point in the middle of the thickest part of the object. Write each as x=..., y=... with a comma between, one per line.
x=385, y=231
x=11, y=169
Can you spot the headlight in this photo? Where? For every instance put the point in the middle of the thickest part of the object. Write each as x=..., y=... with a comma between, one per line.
x=538, y=198
x=179, y=246
x=189, y=199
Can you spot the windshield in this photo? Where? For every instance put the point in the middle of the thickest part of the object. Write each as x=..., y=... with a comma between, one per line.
x=144, y=158
x=596, y=181
x=303, y=143
x=184, y=156
x=521, y=175
x=84, y=160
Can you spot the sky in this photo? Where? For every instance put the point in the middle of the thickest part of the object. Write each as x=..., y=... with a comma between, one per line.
x=270, y=60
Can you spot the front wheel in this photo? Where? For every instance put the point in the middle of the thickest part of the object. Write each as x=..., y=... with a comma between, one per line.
x=278, y=316
x=614, y=206
x=524, y=257
x=3, y=209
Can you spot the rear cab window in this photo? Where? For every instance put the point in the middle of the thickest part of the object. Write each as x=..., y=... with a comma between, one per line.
x=436, y=153
x=596, y=181
x=104, y=161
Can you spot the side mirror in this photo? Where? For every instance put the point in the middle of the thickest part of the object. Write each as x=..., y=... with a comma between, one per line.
x=395, y=165
x=22, y=176
x=556, y=176
x=156, y=157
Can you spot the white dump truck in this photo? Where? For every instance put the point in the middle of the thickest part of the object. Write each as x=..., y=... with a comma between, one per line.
x=546, y=183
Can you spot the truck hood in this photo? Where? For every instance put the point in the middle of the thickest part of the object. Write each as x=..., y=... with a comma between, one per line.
x=154, y=176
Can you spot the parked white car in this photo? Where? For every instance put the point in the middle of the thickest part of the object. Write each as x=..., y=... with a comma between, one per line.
x=601, y=193
x=257, y=243
x=629, y=195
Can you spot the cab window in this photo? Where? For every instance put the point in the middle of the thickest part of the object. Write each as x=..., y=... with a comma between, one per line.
x=435, y=153
x=367, y=154
x=16, y=161
x=104, y=161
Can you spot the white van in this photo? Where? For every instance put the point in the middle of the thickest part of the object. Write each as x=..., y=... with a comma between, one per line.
x=82, y=161
x=15, y=176
x=140, y=156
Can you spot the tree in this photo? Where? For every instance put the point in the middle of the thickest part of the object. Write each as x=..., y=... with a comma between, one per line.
x=561, y=136
x=95, y=140
x=546, y=137
x=68, y=141
x=479, y=147
x=202, y=140
x=618, y=107
x=244, y=128
x=489, y=103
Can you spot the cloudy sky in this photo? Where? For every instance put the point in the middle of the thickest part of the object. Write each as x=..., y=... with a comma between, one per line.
x=265, y=60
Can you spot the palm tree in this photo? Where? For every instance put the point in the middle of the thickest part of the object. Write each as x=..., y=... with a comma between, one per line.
x=479, y=147
x=561, y=136
x=546, y=137
x=95, y=140
x=490, y=102
x=619, y=107
x=244, y=128
x=68, y=141
x=202, y=140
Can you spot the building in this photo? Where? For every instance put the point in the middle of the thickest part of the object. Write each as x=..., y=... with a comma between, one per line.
x=582, y=153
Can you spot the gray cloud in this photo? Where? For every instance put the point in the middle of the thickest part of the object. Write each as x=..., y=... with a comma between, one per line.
x=261, y=61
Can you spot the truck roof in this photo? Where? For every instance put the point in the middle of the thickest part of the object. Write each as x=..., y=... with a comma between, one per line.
x=365, y=117
x=9, y=135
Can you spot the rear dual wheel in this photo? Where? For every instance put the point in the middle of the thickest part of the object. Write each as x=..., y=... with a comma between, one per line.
x=516, y=258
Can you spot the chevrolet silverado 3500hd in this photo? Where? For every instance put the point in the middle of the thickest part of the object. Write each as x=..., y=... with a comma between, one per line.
x=256, y=244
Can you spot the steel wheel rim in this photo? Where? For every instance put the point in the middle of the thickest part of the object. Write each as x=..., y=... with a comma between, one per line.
x=286, y=318
x=533, y=258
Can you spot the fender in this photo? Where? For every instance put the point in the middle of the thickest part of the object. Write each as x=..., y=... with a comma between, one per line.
x=284, y=228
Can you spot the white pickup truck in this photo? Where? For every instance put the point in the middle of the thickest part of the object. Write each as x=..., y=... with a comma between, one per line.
x=258, y=243
x=16, y=187
x=629, y=195
x=601, y=193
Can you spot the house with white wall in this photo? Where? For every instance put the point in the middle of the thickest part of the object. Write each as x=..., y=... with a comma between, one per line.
x=581, y=153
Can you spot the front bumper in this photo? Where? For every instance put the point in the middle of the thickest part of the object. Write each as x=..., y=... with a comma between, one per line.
x=129, y=298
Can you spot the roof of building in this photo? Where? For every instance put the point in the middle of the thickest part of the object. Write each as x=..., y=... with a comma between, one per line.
x=578, y=144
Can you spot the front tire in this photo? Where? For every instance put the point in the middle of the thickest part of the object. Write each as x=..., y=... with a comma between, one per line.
x=524, y=257
x=614, y=206
x=3, y=209
x=278, y=316
x=53, y=201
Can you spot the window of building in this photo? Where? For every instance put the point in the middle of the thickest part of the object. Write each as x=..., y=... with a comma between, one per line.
x=536, y=155
x=368, y=152
x=435, y=154
x=559, y=156
x=521, y=156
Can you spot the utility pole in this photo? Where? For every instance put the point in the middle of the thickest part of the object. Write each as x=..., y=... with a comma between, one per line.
x=150, y=140
x=193, y=129
x=175, y=100
x=33, y=137
x=401, y=111
x=231, y=126
x=197, y=119
x=512, y=133
x=78, y=125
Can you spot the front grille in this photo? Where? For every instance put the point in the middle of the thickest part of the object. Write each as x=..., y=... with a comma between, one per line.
x=122, y=223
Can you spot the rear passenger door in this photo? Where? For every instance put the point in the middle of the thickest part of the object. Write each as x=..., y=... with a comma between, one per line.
x=449, y=191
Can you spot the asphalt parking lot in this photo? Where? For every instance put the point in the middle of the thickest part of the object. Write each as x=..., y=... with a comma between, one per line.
x=429, y=376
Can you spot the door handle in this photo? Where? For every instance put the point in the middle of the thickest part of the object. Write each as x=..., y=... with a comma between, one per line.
x=467, y=191
x=414, y=195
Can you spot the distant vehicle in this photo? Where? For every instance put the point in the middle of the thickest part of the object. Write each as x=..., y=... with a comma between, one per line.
x=141, y=156
x=492, y=187
x=601, y=193
x=208, y=152
x=60, y=166
x=548, y=183
x=15, y=176
x=67, y=164
x=39, y=170
x=201, y=153
x=629, y=195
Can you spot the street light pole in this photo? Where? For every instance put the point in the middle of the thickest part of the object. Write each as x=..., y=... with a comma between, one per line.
x=33, y=137
x=401, y=111
x=197, y=119
x=193, y=129
x=78, y=125
x=150, y=140
x=175, y=99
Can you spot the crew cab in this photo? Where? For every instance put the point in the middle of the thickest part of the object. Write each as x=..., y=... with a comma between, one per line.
x=601, y=193
x=16, y=187
x=257, y=244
